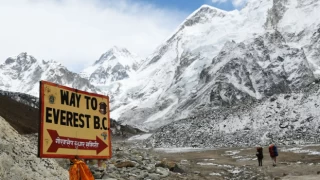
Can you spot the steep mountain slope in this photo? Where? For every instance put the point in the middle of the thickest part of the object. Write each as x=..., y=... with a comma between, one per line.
x=259, y=68
x=226, y=57
x=285, y=119
x=298, y=22
x=171, y=74
x=22, y=98
x=23, y=73
x=116, y=64
x=18, y=158
x=22, y=117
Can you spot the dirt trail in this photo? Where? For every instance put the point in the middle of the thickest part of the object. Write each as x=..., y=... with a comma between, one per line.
x=241, y=163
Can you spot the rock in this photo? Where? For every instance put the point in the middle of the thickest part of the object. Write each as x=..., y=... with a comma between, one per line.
x=97, y=175
x=177, y=169
x=162, y=171
x=118, y=149
x=154, y=176
x=125, y=164
x=18, y=157
x=167, y=164
x=273, y=99
x=133, y=163
x=149, y=167
x=142, y=175
x=287, y=96
x=184, y=161
x=309, y=119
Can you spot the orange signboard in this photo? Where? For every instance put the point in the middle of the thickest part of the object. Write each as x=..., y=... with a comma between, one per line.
x=73, y=123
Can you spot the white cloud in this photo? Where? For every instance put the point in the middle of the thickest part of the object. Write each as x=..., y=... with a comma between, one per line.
x=77, y=32
x=219, y=1
x=236, y=3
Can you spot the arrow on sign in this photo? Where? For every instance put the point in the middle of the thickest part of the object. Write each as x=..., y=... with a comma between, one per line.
x=74, y=143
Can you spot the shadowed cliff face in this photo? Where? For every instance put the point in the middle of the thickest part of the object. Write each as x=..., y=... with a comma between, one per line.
x=258, y=69
x=22, y=117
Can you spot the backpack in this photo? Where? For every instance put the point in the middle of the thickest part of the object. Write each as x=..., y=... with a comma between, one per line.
x=259, y=152
x=275, y=150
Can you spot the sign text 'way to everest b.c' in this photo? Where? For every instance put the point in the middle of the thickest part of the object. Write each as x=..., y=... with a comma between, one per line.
x=73, y=123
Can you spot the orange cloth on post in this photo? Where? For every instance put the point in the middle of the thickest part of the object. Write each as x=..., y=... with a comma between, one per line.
x=80, y=171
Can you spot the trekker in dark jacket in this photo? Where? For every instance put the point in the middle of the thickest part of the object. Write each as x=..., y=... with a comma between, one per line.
x=259, y=155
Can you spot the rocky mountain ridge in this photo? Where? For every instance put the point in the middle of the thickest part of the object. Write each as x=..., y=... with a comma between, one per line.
x=114, y=65
x=23, y=73
x=285, y=119
x=214, y=57
x=227, y=57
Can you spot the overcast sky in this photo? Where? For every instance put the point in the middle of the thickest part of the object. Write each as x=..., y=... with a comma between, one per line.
x=77, y=32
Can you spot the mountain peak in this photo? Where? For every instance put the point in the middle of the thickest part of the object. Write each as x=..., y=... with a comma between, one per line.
x=22, y=59
x=115, y=64
x=203, y=14
x=206, y=6
x=23, y=55
x=116, y=49
x=114, y=53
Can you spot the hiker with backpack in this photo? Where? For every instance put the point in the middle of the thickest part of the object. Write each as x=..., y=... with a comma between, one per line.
x=259, y=155
x=273, y=153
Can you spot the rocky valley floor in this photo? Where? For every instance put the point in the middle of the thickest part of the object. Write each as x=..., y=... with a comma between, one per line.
x=294, y=162
x=301, y=162
x=130, y=161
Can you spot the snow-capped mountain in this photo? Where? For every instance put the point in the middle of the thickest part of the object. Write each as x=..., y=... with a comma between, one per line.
x=116, y=64
x=214, y=57
x=282, y=62
x=255, y=70
x=23, y=73
x=226, y=58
